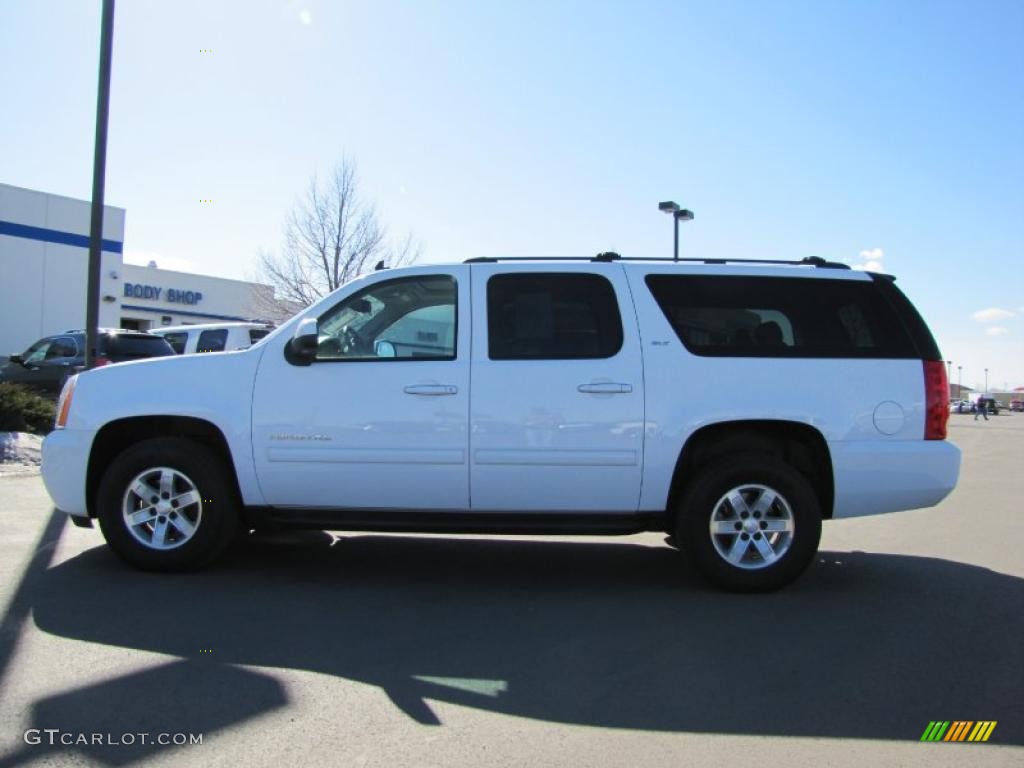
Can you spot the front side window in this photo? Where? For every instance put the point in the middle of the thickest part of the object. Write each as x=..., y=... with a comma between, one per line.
x=406, y=318
x=552, y=316
x=212, y=341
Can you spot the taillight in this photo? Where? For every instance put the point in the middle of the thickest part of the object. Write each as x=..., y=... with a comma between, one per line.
x=936, y=400
x=64, y=404
x=98, y=361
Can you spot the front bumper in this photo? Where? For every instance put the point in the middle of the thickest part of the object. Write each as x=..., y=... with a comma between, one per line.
x=65, y=463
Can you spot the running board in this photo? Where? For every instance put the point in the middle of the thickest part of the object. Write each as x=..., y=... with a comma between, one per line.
x=509, y=523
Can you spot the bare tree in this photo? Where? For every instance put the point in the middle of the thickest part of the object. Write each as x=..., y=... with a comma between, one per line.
x=331, y=235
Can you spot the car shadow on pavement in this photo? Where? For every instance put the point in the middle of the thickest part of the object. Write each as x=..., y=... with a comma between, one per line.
x=133, y=717
x=614, y=635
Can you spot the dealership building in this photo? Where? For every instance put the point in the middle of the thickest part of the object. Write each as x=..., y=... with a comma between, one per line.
x=44, y=255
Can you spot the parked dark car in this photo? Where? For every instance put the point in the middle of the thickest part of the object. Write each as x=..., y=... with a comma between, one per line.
x=1017, y=405
x=45, y=365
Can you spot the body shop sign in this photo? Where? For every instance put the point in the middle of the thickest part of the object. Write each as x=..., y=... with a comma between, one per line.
x=155, y=293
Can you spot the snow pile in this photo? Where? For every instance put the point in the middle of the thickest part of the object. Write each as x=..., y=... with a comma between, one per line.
x=20, y=452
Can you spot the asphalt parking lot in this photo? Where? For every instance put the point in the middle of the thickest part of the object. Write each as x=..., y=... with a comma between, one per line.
x=432, y=650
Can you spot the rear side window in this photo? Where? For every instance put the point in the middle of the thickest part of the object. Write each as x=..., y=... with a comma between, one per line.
x=177, y=340
x=552, y=316
x=130, y=346
x=737, y=316
x=212, y=341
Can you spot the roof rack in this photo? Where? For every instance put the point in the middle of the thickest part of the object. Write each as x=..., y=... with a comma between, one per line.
x=610, y=256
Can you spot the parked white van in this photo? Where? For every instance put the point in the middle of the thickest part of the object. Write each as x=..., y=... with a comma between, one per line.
x=213, y=337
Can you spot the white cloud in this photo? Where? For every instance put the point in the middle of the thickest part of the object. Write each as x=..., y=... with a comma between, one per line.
x=871, y=260
x=305, y=16
x=873, y=254
x=992, y=315
x=996, y=330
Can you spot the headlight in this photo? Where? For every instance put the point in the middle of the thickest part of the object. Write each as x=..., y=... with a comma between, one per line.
x=64, y=403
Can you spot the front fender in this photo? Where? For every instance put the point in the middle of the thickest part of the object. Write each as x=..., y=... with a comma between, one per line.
x=214, y=387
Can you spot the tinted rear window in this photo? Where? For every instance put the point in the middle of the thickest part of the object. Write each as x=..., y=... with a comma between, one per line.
x=546, y=316
x=130, y=346
x=736, y=316
x=917, y=328
x=212, y=341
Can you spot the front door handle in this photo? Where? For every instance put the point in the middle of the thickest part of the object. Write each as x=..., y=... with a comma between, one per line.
x=605, y=388
x=431, y=389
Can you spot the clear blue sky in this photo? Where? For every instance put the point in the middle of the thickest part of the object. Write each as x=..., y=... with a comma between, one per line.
x=543, y=128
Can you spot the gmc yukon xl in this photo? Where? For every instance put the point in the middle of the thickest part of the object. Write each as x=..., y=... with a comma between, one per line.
x=734, y=406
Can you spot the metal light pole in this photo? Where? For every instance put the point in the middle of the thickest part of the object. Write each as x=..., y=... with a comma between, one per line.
x=678, y=214
x=949, y=377
x=99, y=168
x=959, y=379
x=986, y=381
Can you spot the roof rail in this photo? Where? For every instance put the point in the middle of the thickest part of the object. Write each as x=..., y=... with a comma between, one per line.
x=610, y=256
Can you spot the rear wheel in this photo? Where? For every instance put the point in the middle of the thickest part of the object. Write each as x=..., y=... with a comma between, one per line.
x=167, y=504
x=749, y=522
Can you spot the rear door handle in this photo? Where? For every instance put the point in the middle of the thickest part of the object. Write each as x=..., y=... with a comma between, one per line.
x=431, y=389
x=605, y=388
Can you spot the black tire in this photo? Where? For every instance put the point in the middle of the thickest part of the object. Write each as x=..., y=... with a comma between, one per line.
x=216, y=516
x=753, y=572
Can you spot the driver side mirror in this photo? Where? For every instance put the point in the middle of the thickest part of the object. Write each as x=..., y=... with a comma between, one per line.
x=301, y=348
x=16, y=359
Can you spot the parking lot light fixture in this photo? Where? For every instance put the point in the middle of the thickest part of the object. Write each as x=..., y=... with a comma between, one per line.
x=678, y=214
x=99, y=170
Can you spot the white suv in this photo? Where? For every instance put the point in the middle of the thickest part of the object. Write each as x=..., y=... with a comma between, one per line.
x=733, y=406
x=213, y=337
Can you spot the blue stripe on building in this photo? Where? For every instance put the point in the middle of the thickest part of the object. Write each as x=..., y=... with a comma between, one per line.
x=54, y=236
x=170, y=311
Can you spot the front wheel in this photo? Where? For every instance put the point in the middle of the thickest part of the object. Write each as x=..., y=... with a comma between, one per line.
x=750, y=523
x=167, y=504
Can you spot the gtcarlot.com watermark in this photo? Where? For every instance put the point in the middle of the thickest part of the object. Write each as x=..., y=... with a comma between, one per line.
x=56, y=737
